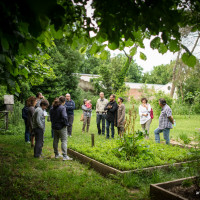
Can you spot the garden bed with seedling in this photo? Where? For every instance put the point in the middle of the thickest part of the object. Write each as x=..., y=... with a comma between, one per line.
x=106, y=169
x=131, y=152
x=181, y=189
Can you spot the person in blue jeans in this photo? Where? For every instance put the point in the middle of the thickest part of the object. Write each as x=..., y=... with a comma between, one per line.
x=111, y=116
x=25, y=117
x=165, y=122
x=70, y=107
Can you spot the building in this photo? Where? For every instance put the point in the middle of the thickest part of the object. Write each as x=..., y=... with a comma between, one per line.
x=135, y=89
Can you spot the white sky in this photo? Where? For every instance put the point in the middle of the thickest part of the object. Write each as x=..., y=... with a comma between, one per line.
x=154, y=58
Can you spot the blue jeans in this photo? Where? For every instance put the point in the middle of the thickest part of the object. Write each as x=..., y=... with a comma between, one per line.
x=165, y=134
x=27, y=134
x=112, y=128
x=101, y=117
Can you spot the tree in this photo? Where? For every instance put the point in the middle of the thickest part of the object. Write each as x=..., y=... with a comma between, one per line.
x=161, y=74
x=65, y=62
x=134, y=73
x=29, y=27
x=186, y=32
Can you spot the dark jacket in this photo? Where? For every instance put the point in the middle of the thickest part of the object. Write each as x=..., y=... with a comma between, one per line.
x=25, y=113
x=58, y=117
x=111, y=112
x=70, y=106
x=31, y=111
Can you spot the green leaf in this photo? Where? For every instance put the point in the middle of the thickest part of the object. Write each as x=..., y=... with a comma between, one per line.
x=56, y=34
x=189, y=60
x=2, y=58
x=129, y=43
x=94, y=49
x=155, y=43
x=121, y=45
x=174, y=46
x=29, y=47
x=15, y=72
x=8, y=60
x=104, y=55
x=162, y=48
x=82, y=50
x=143, y=56
x=133, y=51
x=4, y=43
x=113, y=46
x=24, y=72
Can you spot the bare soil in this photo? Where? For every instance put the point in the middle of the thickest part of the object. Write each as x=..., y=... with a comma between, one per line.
x=190, y=193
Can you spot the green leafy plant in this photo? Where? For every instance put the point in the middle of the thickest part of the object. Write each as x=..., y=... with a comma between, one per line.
x=185, y=138
x=131, y=145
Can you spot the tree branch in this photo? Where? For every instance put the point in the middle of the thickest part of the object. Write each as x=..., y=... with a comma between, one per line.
x=195, y=43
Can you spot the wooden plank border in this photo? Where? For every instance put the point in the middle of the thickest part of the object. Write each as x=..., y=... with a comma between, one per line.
x=160, y=190
x=105, y=169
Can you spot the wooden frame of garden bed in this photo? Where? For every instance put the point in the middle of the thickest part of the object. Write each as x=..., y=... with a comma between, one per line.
x=105, y=169
x=160, y=190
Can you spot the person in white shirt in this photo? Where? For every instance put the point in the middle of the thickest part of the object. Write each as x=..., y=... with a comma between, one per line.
x=101, y=113
x=145, y=118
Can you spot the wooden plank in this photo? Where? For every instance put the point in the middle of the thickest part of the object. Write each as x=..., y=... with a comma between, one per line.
x=160, y=190
x=105, y=169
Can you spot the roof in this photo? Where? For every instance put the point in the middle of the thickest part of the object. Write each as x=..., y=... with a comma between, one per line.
x=87, y=77
x=140, y=85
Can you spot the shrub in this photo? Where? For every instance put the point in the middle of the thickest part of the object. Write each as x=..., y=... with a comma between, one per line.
x=154, y=102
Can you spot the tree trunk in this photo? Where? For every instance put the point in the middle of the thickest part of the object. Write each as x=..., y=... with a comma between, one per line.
x=174, y=75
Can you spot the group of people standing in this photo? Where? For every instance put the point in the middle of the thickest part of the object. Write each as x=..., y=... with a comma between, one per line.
x=165, y=120
x=111, y=113
x=34, y=116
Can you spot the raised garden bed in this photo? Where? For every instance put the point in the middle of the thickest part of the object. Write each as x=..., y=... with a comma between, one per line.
x=106, y=152
x=105, y=169
x=173, y=190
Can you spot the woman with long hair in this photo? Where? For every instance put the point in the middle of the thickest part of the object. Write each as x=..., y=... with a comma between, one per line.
x=31, y=102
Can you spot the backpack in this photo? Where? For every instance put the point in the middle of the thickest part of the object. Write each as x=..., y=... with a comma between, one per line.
x=151, y=113
x=25, y=113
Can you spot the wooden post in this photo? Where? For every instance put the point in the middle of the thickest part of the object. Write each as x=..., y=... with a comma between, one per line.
x=92, y=137
x=6, y=120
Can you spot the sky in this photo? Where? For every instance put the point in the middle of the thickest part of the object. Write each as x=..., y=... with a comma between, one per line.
x=154, y=58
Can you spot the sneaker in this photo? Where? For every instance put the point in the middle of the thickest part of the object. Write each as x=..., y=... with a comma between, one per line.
x=58, y=156
x=67, y=158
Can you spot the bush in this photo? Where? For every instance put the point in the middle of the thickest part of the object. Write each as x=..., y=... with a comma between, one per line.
x=85, y=95
x=181, y=108
x=154, y=102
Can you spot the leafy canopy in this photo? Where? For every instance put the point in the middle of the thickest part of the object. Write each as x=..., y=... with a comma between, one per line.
x=29, y=27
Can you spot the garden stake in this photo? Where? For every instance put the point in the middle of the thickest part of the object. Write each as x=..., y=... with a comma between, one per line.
x=92, y=137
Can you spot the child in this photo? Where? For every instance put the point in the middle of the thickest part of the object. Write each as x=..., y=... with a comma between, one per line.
x=88, y=104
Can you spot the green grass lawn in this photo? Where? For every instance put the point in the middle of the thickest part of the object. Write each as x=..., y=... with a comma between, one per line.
x=184, y=125
x=104, y=150
x=23, y=177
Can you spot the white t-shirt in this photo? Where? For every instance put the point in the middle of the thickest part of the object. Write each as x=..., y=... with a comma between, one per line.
x=144, y=110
